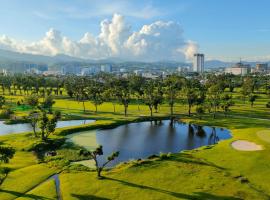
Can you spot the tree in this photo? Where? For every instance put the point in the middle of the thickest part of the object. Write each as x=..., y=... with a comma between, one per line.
x=226, y=103
x=214, y=93
x=47, y=124
x=95, y=93
x=152, y=95
x=247, y=87
x=95, y=154
x=2, y=101
x=34, y=118
x=252, y=98
x=200, y=111
x=32, y=100
x=80, y=91
x=137, y=87
x=172, y=87
x=193, y=93
x=48, y=103
x=123, y=93
x=6, y=153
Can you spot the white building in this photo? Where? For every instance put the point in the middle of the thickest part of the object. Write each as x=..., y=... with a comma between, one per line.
x=123, y=70
x=198, y=64
x=138, y=72
x=106, y=68
x=183, y=69
x=90, y=70
x=238, y=69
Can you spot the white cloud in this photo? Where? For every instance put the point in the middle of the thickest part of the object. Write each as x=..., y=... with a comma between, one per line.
x=157, y=41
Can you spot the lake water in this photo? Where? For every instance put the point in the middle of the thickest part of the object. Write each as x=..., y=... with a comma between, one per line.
x=20, y=128
x=141, y=140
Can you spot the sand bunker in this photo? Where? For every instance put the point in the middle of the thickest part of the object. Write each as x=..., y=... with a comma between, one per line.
x=244, y=145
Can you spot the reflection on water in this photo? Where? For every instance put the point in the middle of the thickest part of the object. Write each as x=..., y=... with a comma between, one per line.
x=20, y=128
x=140, y=140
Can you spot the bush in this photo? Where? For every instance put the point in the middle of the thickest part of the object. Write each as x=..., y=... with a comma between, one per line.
x=56, y=161
x=41, y=146
x=268, y=105
x=164, y=155
x=6, y=113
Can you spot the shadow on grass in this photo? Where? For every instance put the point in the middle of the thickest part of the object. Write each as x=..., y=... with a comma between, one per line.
x=187, y=158
x=195, y=195
x=87, y=197
x=19, y=194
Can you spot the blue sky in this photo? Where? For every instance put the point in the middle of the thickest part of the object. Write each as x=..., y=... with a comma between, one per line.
x=223, y=29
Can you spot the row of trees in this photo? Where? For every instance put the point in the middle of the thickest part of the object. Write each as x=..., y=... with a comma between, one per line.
x=210, y=94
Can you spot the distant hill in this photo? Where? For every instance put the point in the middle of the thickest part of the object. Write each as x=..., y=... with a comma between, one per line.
x=15, y=56
x=216, y=64
x=19, y=62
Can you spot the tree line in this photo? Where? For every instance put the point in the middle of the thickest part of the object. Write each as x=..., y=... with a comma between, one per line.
x=211, y=93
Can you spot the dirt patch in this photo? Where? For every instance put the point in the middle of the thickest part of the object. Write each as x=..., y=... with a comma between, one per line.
x=244, y=145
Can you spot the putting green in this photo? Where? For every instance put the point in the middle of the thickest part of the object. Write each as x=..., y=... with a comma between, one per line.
x=86, y=139
x=264, y=135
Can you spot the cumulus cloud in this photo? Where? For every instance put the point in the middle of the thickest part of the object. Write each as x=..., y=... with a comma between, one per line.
x=157, y=41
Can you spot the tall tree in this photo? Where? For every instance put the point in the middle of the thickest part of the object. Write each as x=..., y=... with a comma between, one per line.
x=123, y=93
x=34, y=118
x=2, y=101
x=80, y=91
x=226, y=102
x=173, y=86
x=95, y=93
x=152, y=95
x=48, y=124
x=137, y=87
x=214, y=94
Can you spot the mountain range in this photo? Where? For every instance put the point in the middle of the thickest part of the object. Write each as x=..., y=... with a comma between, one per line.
x=9, y=57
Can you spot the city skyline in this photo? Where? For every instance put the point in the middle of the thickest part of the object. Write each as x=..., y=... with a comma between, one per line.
x=224, y=30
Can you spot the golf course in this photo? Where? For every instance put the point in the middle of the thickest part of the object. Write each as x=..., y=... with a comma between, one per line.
x=235, y=166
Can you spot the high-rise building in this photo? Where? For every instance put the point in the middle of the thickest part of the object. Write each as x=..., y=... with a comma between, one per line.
x=198, y=64
x=106, y=68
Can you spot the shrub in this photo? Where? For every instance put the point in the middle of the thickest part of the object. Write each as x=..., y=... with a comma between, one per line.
x=268, y=105
x=6, y=113
x=164, y=155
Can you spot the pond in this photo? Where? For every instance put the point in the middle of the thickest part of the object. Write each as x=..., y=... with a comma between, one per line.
x=141, y=140
x=25, y=127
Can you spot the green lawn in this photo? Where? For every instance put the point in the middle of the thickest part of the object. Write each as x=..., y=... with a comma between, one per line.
x=23, y=180
x=203, y=174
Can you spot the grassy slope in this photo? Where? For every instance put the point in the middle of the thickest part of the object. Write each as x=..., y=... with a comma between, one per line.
x=23, y=180
x=180, y=177
x=44, y=191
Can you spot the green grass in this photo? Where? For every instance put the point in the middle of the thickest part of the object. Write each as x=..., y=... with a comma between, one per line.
x=45, y=191
x=23, y=180
x=206, y=173
x=180, y=177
